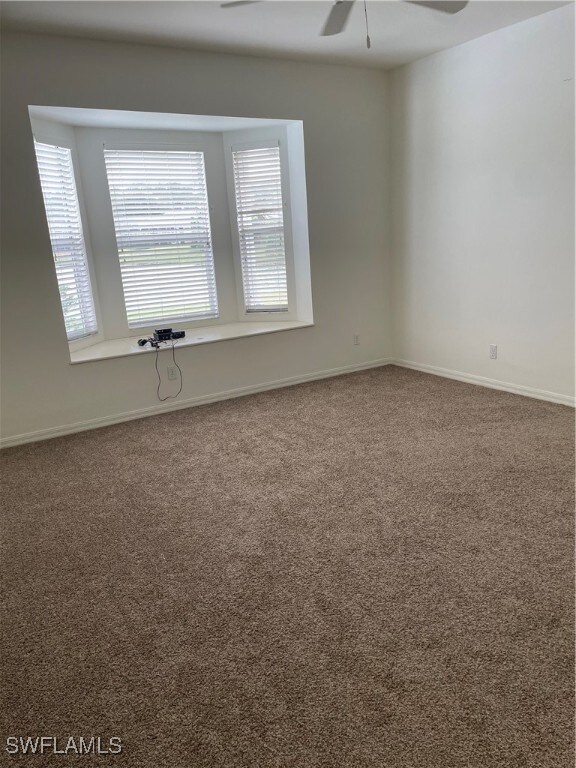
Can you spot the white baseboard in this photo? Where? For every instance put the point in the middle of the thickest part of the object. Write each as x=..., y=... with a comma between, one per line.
x=469, y=378
x=82, y=426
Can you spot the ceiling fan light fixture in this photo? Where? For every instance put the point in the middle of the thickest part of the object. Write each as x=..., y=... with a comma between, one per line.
x=444, y=6
x=337, y=18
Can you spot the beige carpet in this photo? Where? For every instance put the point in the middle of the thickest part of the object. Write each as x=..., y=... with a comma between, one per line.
x=372, y=570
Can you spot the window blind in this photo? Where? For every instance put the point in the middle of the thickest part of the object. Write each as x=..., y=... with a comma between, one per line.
x=67, y=239
x=161, y=216
x=259, y=212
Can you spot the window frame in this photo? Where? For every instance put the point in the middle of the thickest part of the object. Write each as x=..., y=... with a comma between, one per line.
x=261, y=139
x=112, y=273
x=182, y=321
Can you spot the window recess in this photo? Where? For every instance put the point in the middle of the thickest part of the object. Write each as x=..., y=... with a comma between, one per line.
x=198, y=222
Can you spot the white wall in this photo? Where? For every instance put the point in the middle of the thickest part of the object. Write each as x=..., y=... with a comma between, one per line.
x=483, y=215
x=346, y=135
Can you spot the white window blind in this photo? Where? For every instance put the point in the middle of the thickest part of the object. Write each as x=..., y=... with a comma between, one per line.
x=67, y=239
x=259, y=212
x=162, y=222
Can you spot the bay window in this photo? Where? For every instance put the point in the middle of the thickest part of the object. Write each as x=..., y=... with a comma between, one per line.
x=190, y=226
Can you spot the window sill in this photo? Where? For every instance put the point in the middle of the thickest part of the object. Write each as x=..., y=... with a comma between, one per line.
x=127, y=347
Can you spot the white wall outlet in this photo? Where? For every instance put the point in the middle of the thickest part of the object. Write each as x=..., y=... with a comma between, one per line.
x=356, y=339
x=172, y=372
x=493, y=351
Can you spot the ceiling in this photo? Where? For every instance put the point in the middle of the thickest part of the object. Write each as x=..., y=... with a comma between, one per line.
x=400, y=32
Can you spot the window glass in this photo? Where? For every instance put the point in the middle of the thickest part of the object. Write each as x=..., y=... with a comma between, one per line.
x=162, y=223
x=67, y=239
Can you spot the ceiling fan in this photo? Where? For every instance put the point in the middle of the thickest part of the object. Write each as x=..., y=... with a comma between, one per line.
x=340, y=11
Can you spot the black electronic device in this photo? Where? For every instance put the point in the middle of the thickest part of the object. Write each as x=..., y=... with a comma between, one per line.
x=160, y=336
x=163, y=334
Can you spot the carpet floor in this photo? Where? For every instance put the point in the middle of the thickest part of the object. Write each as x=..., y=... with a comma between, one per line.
x=370, y=570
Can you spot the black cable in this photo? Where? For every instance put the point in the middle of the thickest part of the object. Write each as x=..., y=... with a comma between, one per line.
x=179, y=369
x=168, y=397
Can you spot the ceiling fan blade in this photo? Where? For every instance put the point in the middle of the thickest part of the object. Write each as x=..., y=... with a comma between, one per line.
x=444, y=6
x=337, y=17
x=235, y=3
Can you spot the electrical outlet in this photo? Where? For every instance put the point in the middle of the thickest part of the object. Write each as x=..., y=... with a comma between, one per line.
x=356, y=339
x=493, y=351
x=172, y=372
